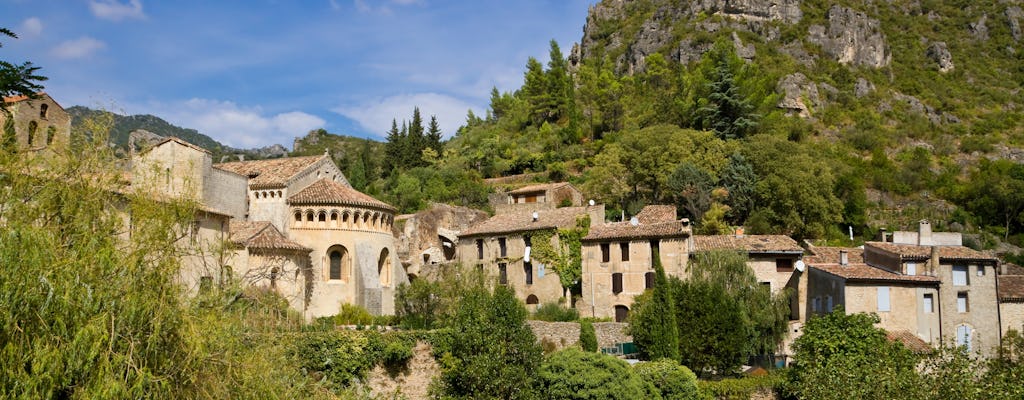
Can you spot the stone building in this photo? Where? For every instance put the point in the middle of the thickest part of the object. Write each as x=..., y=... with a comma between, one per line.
x=1011, y=303
x=502, y=245
x=907, y=305
x=618, y=260
x=37, y=124
x=543, y=196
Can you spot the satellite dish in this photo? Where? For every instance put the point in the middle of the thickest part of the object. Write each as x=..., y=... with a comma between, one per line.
x=634, y=221
x=591, y=202
x=800, y=265
x=535, y=216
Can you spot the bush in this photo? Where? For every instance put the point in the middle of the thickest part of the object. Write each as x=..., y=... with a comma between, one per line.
x=588, y=338
x=741, y=388
x=352, y=314
x=674, y=381
x=574, y=374
x=554, y=312
x=336, y=358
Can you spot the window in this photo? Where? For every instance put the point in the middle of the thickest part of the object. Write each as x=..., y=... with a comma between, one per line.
x=828, y=303
x=649, y=280
x=50, y=131
x=503, y=273
x=911, y=268
x=617, y=283
x=322, y=217
x=528, y=271
x=783, y=265
x=655, y=250
x=929, y=303
x=960, y=275
x=32, y=127
x=335, y=269
x=624, y=249
x=298, y=216
x=480, y=249
x=42, y=110
x=532, y=300
x=816, y=304
x=883, y=299
x=605, y=252
x=309, y=216
x=981, y=270
x=963, y=336
x=334, y=216
x=962, y=305
x=384, y=267
x=502, y=249
x=621, y=313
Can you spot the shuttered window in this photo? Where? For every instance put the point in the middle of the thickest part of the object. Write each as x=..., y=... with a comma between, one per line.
x=883, y=299
x=617, y=283
x=528, y=271
x=960, y=275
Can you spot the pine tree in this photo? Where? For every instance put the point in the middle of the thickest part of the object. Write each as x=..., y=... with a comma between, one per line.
x=653, y=321
x=394, y=148
x=433, y=138
x=726, y=110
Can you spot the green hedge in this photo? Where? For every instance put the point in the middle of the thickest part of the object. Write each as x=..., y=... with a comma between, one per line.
x=740, y=388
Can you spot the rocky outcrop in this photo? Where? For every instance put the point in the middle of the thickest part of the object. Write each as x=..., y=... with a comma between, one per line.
x=744, y=51
x=979, y=29
x=939, y=53
x=916, y=106
x=852, y=38
x=433, y=233
x=787, y=11
x=863, y=87
x=799, y=95
x=1013, y=17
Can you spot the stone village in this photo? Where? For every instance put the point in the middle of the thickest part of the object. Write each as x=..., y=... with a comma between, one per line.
x=295, y=225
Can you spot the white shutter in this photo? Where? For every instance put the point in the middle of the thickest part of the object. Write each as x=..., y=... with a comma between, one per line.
x=911, y=268
x=959, y=275
x=883, y=299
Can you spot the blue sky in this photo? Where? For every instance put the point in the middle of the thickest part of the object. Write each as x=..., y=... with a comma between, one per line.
x=257, y=72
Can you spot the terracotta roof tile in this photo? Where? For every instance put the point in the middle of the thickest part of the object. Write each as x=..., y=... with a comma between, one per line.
x=867, y=273
x=657, y=213
x=326, y=191
x=915, y=252
x=261, y=235
x=564, y=217
x=542, y=187
x=750, y=243
x=625, y=230
x=830, y=255
x=15, y=99
x=270, y=173
x=1011, y=288
x=911, y=341
x=1013, y=269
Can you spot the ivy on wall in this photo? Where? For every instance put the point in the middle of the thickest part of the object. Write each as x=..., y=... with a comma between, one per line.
x=567, y=258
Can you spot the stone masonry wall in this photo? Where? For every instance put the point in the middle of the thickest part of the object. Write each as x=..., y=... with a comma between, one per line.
x=565, y=334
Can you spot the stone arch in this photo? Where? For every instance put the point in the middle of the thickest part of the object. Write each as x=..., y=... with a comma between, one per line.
x=321, y=216
x=334, y=218
x=376, y=221
x=621, y=313
x=298, y=216
x=532, y=300
x=339, y=263
x=366, y=219
x=346, y=219
x=384, y=267
x=309, y=215
x=356, y=219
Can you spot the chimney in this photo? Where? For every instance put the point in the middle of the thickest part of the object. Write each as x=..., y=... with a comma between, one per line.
x=844, y=258
x=882, y=232
x=739, y=232
x=924, y=233
x=933, y=261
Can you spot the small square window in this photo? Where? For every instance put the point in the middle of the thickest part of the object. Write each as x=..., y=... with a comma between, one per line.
x=783, y=265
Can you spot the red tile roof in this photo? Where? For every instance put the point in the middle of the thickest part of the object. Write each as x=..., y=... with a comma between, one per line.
x=830, y=255
x=911, y=341
x=625, y=230
x=657, y=213
x=867, y=273
x=270, y=173
x=326, y=191
x=564, y=217
x=1011, y=288
x=915, y=252
x=749, y=243
x=262, y=235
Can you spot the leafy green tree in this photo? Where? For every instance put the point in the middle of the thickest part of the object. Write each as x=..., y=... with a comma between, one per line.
x=1004, y=377
x=995, y=193
x=588, y=338
x=691, y=187
x=653, y=320
x=575, y=374
x=847, y=351
x=674, y=381
x=493, y=354
x=18, y=79
x=710, y=343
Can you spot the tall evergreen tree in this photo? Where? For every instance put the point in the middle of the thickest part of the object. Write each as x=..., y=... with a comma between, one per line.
x=726, y=109
x=394, y=148
x=653, y=321
x=433, y=138
x=740, y=181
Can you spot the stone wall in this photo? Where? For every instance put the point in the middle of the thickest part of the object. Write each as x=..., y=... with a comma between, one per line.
x=565, y=334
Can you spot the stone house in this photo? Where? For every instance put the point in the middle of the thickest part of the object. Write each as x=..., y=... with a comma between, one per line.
x=967, y=300
x=618, y=260
x=38, y=123
x=264, y=257
x=502, y=245
x=544, y=196
x=1011, y=303
x=907, y=305
x=773, y=258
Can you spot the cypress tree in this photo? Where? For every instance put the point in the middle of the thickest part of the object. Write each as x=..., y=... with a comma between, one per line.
x=653, y=321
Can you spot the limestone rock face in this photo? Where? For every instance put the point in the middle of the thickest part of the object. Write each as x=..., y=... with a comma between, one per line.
x=939, y=53
x=1013, y=16
x=787, y=11
x=863, y=87
x=852, y=38
x=799, y=95
x=918, y=107
x=979, y=29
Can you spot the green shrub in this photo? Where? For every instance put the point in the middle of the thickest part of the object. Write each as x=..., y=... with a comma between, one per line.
x=574, y=374
x=588, y=338
x=740, y=388
x=352, y=314
x=674, y=381
x=554, y=312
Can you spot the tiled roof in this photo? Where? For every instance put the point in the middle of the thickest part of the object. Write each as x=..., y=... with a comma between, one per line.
x=1013, y=269
x=864, y=272
x=657, y=213
x=178, y=141
x=625, y=230
x=326, y=191
x=261, y=235
x=830, y=255
x=538, y=187
x=564, y=217
x=915, y=252
x=1011, y=288
x=15, y=99
x=910, y=341
x=749, y=243
x=270, y=173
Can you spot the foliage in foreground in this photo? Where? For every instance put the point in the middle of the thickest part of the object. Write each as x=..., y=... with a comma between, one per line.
x=673, y=381
x=575, y=374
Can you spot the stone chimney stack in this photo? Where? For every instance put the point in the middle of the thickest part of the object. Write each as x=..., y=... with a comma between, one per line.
x=844, y=258
x=933, y=261
x=883, y=233
x=924, y=233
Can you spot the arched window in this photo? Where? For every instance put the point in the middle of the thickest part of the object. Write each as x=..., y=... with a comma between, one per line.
x=384, y=267
x=340, y=264
x=279, y=193
x=42, y=110
x=32, y=127
x=50, y=131
x=272, y=195
x=356, y=220
x=298, y=216
x=334, y=216
x=309, y=216
x=322, y=217
x=532, y=299
x=621, y=313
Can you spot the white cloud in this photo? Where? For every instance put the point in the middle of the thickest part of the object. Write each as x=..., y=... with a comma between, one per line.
x=78, y=48
x=238, y=126
x=334, y=5
x=114, y=10
x=375, y=116
x=31, y=27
